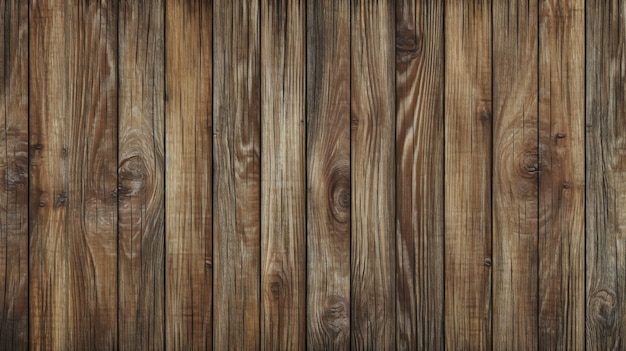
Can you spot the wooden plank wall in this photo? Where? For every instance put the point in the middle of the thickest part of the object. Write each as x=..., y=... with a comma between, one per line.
x=323, y=175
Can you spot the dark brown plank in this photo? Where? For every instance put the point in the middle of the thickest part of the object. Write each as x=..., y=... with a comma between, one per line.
x=237, y=171
x=14, y=175
x=188, y=177
x=419, y=164
x=328, y=174
x=73, y=204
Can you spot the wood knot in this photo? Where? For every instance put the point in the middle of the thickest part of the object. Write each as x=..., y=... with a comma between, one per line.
x=560, y=135
x=487, y=262
x=340, y=194
x=336, y=315
x=132, y=177
x=60, y=200
x=602, y=308
x=408, y=45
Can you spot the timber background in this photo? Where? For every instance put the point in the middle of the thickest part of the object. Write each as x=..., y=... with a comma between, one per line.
x=333, y=174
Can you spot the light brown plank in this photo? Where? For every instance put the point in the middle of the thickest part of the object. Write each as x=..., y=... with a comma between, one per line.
x=468, y=126
x=419, y=164
x=188, y=177
x=328, y=174
x=73, y=209
x=237, y=168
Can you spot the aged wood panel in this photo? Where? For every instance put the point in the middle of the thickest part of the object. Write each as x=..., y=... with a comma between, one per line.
x=468, y=125
x=73, y=204
x=237, y=171
x=283, y=175
x=188, y=177
x=373, y=305
x=419, y=178
x=140, y=175
x=14, y=176
x=328, y=174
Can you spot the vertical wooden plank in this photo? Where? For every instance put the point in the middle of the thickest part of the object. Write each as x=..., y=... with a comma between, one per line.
x=328, y=174
x=373, y=292
x=605, y=174
x=283, y=177
x=140, y=172
x=14, y=175
x=515, y=175
x=237, y=171
x=468, y=174
x=419, y=165
x=188, y=177
x=73, y=210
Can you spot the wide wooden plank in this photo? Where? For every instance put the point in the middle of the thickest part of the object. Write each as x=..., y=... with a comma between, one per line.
x=237, y=171
x=283, y=176
x=605, y=174
x=188, y=177
x=14, y=175
x=515, y=175
x=373, y=292
x=141, y=175
x=419, y=164
x=328, y=174
x=73, y=204
x=468, y=124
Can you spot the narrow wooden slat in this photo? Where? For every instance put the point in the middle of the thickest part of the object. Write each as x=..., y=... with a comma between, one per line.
x=328, y=174
x=515, y=175
x=605, y=174
x=141, y=166
x=283, y=177
x=14, y=175
x=188, y=177
x=468, y=174
x=419, y=164
x=373, y=292
x=237, y=171
x=73, y=204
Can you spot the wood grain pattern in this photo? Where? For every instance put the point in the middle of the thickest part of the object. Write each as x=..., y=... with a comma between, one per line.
x=14, y=176
x=237, y=165
x=373, y=304
x=283, y=175
x=328, y=175
x=419, y=177
x=141, y=175
x=468, y=125
x=73, y=175
x=188, y=175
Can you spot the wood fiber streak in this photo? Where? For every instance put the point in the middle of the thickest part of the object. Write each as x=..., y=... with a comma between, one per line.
x=468, y=124
x=73, y=203
x=283, y=176
x=373, y=305
x=188, y=175
x=606, y=174
x=237, y=172
x=419, y=178
x=328, y=175
x=14, y=175
x=140, y=175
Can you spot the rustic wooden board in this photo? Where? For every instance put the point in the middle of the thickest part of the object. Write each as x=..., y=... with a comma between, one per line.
x=419, y=177
x=73, y=175
x=188, y=177
x=468, y=128
x=328, y=175
x=237, y=171
x=14, y=176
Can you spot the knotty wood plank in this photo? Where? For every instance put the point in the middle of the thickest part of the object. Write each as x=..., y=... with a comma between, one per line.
x=419, y=164
x=328, y=175
x=373, y=292
x=515, y=175
x=468, y=126
x=73, y=209
x=188, y=177
x=283, y=175
x=14, y=176
x=605, y=174
x=140, y=175
x=237, y=171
